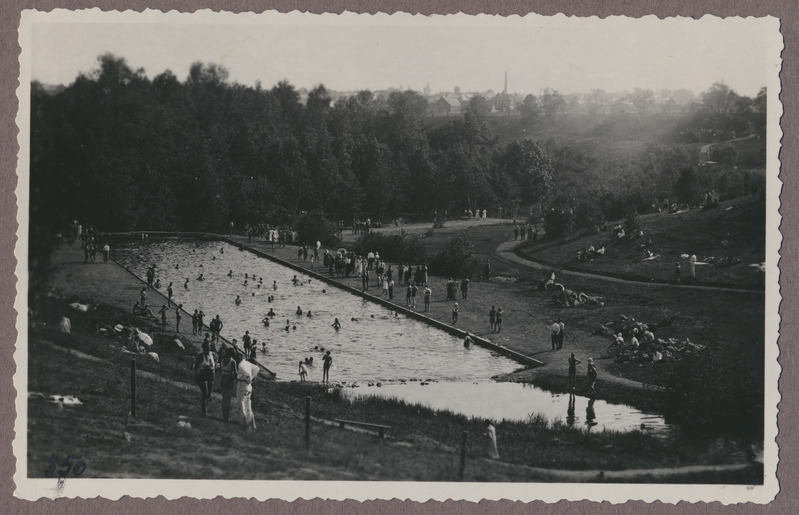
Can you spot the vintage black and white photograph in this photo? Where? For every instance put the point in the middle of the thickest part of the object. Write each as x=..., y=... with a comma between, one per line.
x=367, y=256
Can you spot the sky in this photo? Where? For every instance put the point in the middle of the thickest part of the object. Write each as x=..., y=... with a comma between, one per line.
x=351, y=52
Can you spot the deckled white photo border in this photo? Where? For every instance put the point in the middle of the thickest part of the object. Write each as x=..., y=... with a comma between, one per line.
x=32, y=489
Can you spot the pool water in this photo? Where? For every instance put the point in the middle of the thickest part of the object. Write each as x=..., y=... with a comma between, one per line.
x=373, y=345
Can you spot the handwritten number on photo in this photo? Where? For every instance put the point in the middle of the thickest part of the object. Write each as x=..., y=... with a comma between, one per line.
x=77, y=469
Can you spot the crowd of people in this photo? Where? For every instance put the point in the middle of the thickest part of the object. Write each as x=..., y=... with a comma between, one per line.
x=525, y=230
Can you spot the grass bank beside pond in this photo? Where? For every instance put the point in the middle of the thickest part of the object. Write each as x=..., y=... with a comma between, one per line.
x=421, y=445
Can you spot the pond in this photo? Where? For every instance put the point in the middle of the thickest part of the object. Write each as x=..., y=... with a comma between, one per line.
x=374, y=344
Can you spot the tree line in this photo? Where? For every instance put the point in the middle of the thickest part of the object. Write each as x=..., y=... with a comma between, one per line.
x=124, y=152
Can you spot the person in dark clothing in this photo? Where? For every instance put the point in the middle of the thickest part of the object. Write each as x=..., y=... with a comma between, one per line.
x=204, y=366
x=573, y=362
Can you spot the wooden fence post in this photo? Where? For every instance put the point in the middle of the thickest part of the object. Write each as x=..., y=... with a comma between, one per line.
x=463, y=454
x=133, y=387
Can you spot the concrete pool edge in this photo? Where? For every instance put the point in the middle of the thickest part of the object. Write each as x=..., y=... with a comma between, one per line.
x=499, y=349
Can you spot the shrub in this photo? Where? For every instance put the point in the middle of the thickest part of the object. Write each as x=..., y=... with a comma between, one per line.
x=313, y=227
x=716, y=392
x=394, y=248
x=456, y=259
x=558, y=222
x=632, y=223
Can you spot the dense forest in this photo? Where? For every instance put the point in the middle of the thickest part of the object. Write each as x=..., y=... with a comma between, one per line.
x=120, y=151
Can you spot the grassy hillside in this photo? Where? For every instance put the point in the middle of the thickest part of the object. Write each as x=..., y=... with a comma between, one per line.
x=735, y=228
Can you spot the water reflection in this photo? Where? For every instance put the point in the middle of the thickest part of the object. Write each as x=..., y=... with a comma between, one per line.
x=570, y=418
x=590, y=414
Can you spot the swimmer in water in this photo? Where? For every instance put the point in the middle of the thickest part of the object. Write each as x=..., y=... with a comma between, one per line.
x=260, y=280
x=238, y=300
x=186, y=284
x=245, y=283
x=230, y=274
x=336, y=325
x=265, y=321
x=287, y=328
x=271, y=313
x=200, y=278
x=299, y=311
x=246, y=276
x=259, y=287
x=177, y=266
x=222, y=250
x=294, y=328
x=324, y=290
x=468, y=342
x=274, y=285
x=309, y=315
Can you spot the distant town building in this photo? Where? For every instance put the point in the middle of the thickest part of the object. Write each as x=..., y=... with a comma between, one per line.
x=446, y=106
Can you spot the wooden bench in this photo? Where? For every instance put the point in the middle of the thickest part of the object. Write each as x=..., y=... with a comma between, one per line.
x=380, y=428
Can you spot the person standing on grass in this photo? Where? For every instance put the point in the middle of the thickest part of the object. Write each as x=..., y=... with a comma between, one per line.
x=245, y=375
x=491, y=441
x=428, y=293
x=177, y=317
x=169, y=295
x=592, y=375
x=143, y=297
x=487, y=269
x=194, y=322
x=365, y=280
x=492, y=319
x=228, y=369
x=414, y=291
x=204, y=374
x=573, y=362
x=200, y=316
x=561, y=333
x=391, y=289
x=150, y=276
x=465, y=288
x=327, y=361
x=498, y=323
x=303, y=371
x=555, y=332
x=162, y=311
x=455, y=313
x=247, y=343
x=677, y=271
x=106, y=252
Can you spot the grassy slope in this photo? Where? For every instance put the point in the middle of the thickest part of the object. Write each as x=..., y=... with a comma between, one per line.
x=739, y=222
x=423, y=444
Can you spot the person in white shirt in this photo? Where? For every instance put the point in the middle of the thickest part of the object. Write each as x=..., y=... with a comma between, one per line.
x=555, y=334
x=244, y=377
